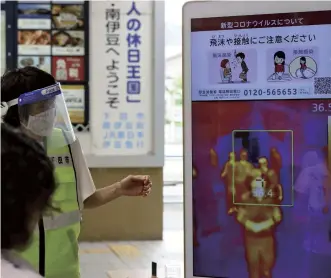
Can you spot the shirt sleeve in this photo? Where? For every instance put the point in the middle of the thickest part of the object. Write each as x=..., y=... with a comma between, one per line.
x=14, y=266
x=85, y=184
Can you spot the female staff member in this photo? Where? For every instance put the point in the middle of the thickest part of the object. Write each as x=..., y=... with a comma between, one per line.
x=21, y=208
x=37, y=106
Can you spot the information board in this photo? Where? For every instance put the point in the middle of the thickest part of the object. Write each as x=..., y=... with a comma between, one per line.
x=52, y=35
x=261, y=146
x=123, y=78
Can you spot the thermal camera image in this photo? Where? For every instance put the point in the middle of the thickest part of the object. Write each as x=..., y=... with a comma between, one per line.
x=264, y=178
x=261, y=189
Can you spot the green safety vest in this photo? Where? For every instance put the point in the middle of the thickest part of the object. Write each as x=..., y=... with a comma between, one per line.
x=54, y=246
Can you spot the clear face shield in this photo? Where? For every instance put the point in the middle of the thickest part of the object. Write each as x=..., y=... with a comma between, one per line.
x=43, y=113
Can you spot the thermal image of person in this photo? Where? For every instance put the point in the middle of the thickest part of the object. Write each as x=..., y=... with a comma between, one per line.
x=213, y=158
x=266, y=172
x=259, y=223
x=263, y=165
x=195, y=236
x=226, y=71
x=204, y=196
x=227, y=175
x=244, y=161
x=274, y=190
x=229, y=165
x=279, y=61
x=243, y=169
x=313, y=182
x=275, y=161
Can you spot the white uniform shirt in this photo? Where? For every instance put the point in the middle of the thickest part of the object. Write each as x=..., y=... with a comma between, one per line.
x=85, y=184
x=15, y=267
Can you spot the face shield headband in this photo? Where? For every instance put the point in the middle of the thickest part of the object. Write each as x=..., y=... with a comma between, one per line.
x=39, y=123
x=44, y=113
x=36, y=95
x=39, y=95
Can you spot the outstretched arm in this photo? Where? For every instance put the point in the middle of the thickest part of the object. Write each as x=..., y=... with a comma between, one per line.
x=129, y=186
x=103, y=196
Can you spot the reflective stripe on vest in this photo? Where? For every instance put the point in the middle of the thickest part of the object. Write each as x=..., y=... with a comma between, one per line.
x=61, y=220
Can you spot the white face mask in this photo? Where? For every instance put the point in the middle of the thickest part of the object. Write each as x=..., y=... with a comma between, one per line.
x=42, y=124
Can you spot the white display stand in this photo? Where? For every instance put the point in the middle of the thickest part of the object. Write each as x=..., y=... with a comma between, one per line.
x=199, y=85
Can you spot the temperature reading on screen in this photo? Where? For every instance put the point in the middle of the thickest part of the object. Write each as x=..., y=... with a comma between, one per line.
x=321, y=107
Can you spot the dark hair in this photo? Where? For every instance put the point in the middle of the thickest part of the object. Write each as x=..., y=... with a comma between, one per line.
x=241, y=55
x=27, y=183
x=303, y=59
x=224, y=62
x=20, y=81
x=280, y=54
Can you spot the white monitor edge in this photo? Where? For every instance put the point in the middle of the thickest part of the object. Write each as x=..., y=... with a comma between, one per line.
x=205, y=9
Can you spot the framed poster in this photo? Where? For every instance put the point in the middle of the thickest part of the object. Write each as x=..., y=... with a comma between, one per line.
x=41, y=62
x=68, y=16
x=68, y=43
x=34, y=42
x=34, y=16
x=66, y=68
x=53, y=36
x=74, y=96
x=3, y=41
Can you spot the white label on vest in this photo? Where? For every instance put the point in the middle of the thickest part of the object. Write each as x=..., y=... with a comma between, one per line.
x=61, y=160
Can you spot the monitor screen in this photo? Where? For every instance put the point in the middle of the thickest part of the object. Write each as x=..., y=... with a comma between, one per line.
x=261, y=145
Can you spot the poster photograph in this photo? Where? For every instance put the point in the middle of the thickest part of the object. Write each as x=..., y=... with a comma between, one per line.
x=68, y=68
x=66, y=2
x=36, y=42
x=74, y=96
x=3, y=42
x=68, y=43
x=41, y=62
x=67, y=17
x=34, y=16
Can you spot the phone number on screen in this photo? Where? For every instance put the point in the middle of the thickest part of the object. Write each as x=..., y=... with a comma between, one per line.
x=271, y=92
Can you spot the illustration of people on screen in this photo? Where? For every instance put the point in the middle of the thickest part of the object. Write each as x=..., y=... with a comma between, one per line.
x=259, y=223
x=280, y=73
x=303, y=67
x=244, y=69
x=226, y=72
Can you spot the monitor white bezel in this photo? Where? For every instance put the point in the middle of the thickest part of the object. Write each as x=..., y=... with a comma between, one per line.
x=205, y=9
